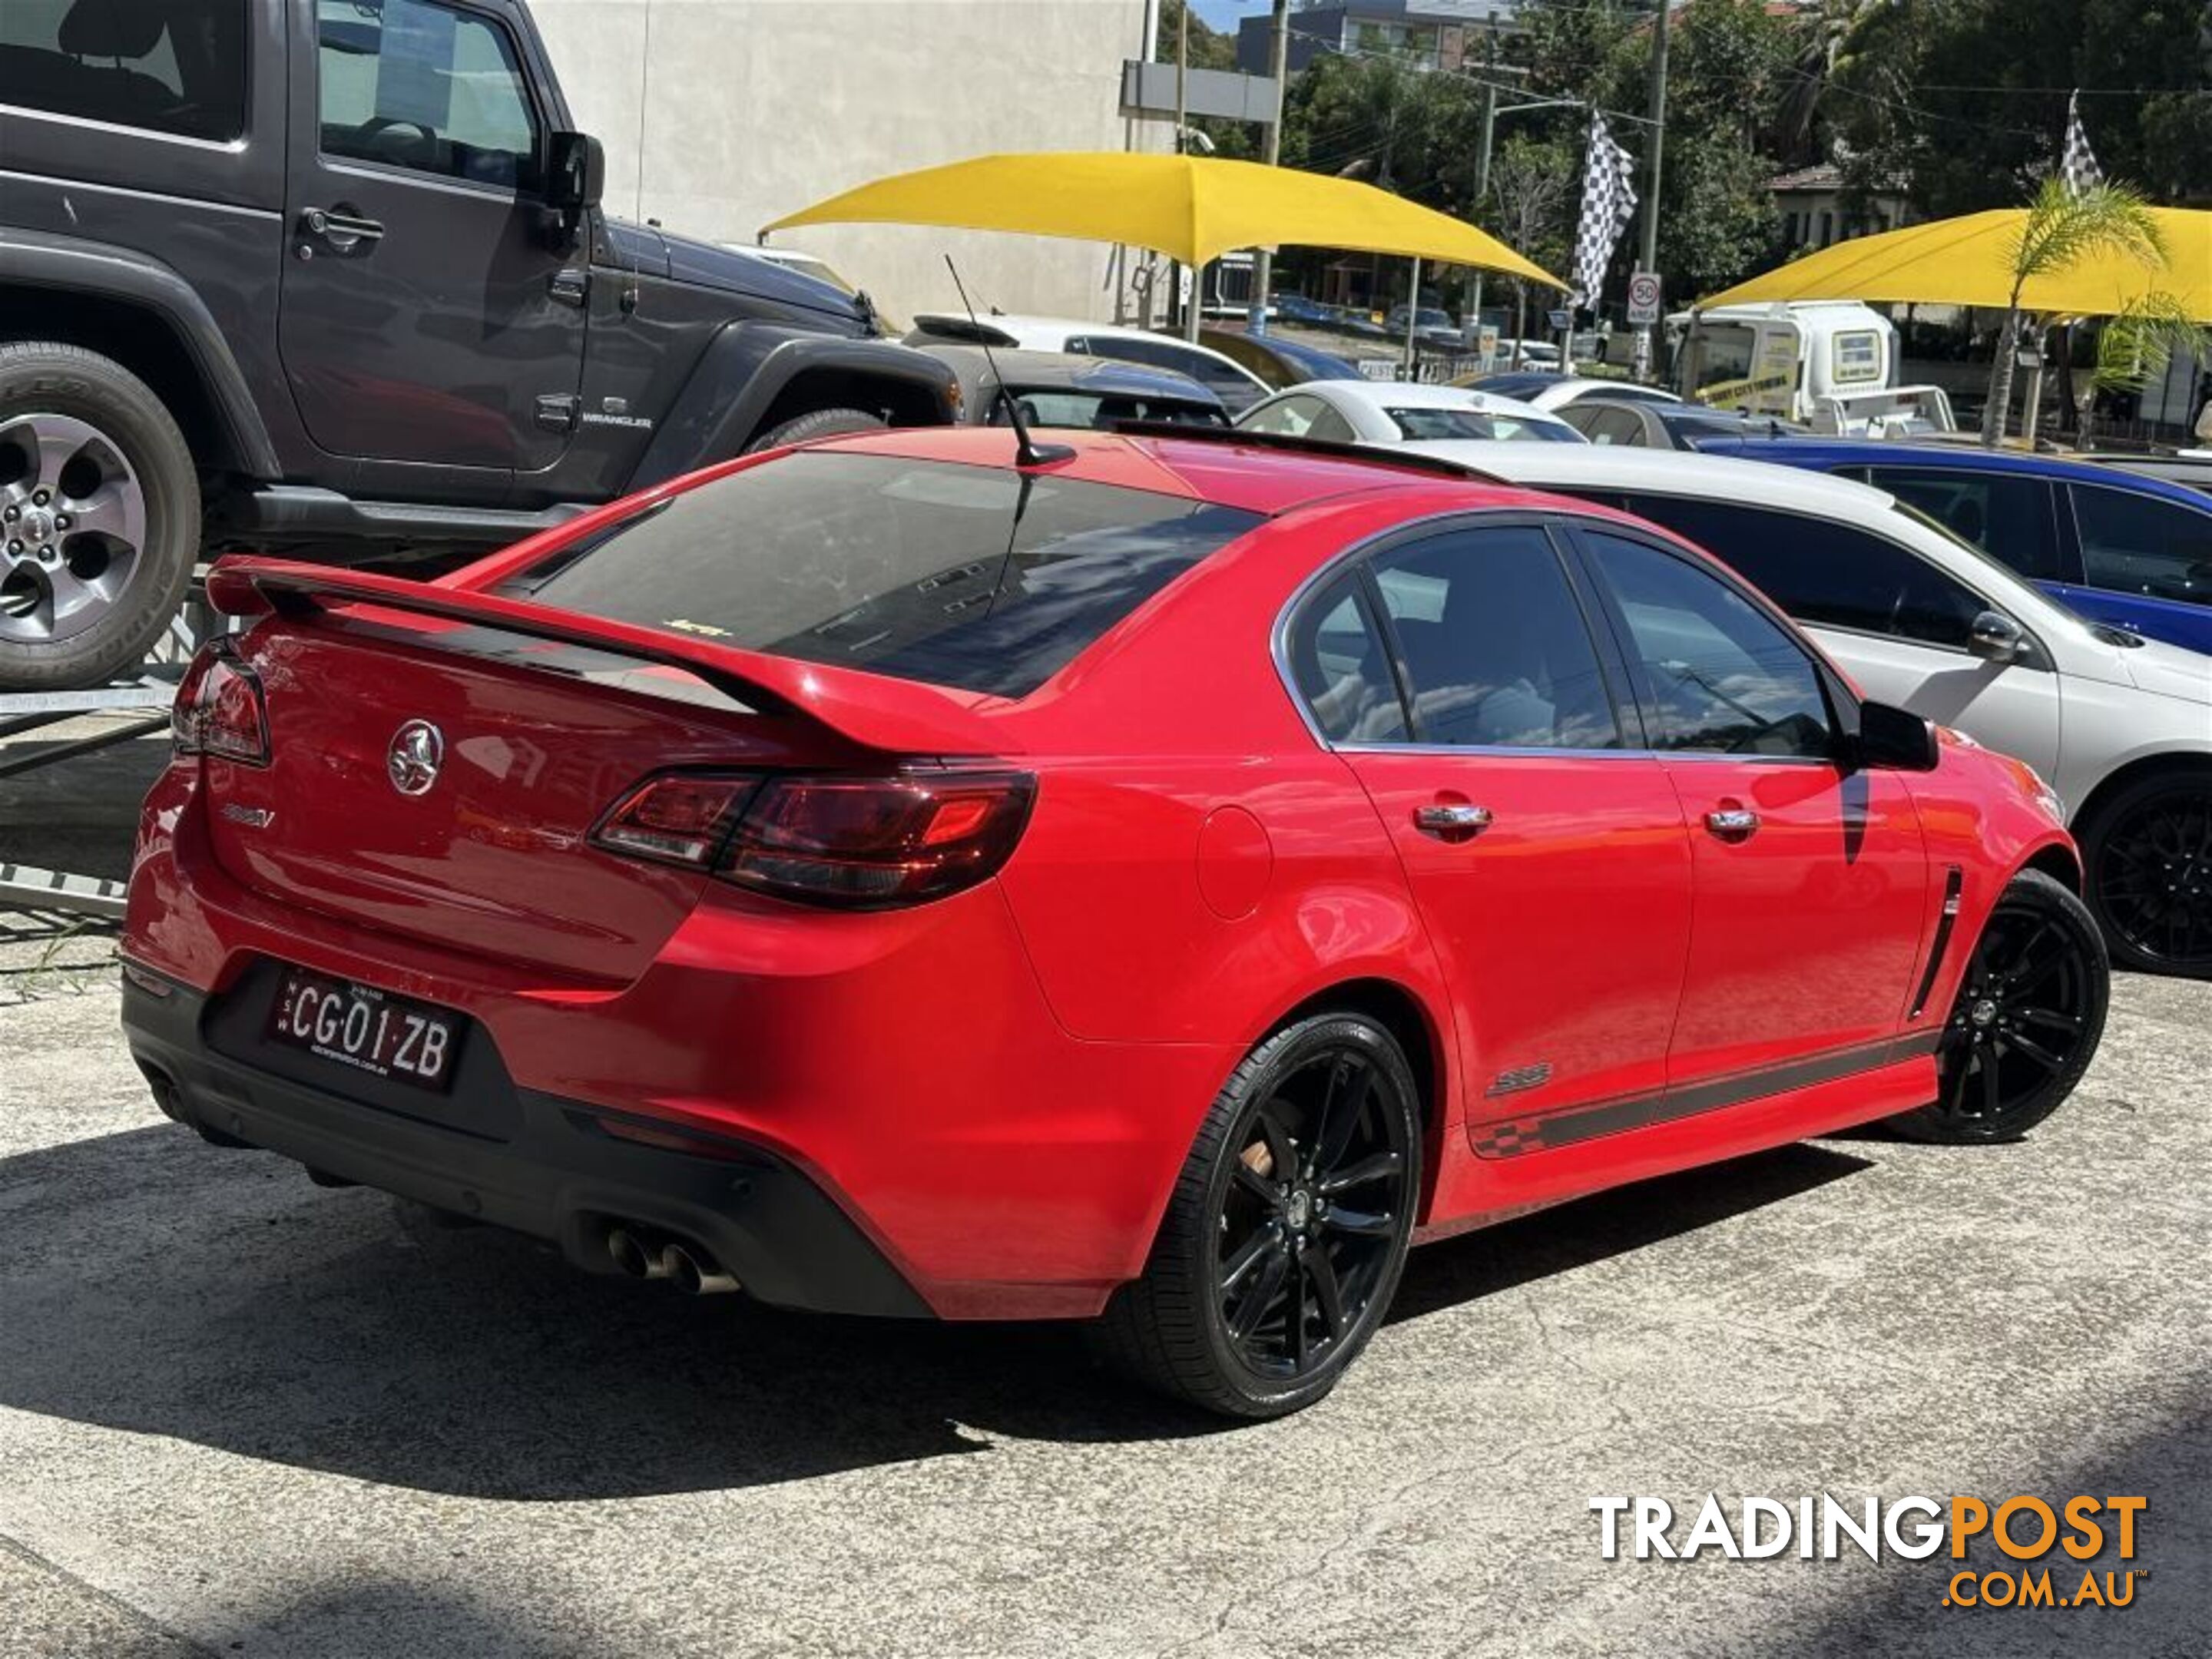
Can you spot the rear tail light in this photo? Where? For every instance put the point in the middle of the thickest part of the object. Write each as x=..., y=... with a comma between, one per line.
x=858, y=842
x=220, y=710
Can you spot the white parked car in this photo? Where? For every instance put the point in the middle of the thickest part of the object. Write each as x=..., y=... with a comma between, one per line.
x=1400, y=412
x=1237, y=386
x=2121, y=728
x=792, y=259
x=1548, y=388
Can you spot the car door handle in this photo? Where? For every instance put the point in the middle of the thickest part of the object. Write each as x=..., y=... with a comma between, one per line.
x=1451, y=820
x=1732, y=822
x=342, y=230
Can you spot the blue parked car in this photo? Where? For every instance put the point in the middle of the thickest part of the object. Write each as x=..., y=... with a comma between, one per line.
x=2116, y=546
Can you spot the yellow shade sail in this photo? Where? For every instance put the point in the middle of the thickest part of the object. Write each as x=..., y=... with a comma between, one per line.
x=1191, y=207
x=1967, y=261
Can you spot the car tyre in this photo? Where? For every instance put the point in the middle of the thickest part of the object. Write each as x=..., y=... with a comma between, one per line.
x=2146, y=854
x=821, y=423
x=101, y=509
x=2026, y=1021
x=1287, y=1229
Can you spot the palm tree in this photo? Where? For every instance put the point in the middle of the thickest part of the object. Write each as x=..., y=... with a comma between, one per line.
x=2061, y=229
x=1834, y=40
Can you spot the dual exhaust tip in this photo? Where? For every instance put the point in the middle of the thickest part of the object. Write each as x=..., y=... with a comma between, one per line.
x=643, y=1256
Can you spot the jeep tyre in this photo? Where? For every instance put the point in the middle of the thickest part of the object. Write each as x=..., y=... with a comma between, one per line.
x=99, y=517
x=822, y=424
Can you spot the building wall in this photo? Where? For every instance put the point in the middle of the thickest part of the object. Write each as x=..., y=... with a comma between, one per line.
x=720, y=115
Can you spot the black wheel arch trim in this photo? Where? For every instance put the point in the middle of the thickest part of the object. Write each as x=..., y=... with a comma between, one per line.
x=74, y=265
x=747, y=366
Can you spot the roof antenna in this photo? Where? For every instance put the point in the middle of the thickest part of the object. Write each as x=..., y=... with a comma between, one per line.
x=1028, y=452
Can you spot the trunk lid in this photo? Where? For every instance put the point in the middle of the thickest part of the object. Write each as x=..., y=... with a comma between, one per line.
x=531, y=723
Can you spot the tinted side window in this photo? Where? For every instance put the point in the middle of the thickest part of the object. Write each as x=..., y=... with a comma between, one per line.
x=177, y=67
x=1338, y=659
x=2007, y=518
x=1616, y=426
x=1216, y=376
x=2136, y=545
x=421, y=86
x=1495, y=647
x=1333, y=427
x=1830, y=575
x=1720, y=676
x=1293, y=417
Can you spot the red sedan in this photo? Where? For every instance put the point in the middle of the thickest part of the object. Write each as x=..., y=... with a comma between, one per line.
x=1160, y=883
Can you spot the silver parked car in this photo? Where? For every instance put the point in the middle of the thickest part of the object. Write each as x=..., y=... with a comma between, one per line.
x=2120, y=727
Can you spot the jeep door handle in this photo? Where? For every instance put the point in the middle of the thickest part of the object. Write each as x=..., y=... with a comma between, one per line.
x=343, y=231
x=1451, y=820
x=1732, y=822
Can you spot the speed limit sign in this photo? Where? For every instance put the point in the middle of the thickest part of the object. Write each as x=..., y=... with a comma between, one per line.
x=1643, y=299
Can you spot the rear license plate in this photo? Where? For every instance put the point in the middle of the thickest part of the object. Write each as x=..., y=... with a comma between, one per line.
x=366, y=1029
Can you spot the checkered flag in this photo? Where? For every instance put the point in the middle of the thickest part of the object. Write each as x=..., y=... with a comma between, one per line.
x=2075, y=163
x=1608, y=203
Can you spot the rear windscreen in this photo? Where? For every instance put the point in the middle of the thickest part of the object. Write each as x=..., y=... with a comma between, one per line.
x=973, y=577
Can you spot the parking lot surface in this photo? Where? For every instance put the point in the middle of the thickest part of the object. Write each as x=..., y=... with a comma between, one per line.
x=240, y=1414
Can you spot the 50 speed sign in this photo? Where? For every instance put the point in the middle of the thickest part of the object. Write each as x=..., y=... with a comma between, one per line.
x=1643, y=299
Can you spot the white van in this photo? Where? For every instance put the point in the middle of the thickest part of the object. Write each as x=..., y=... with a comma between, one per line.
x=1829, y=364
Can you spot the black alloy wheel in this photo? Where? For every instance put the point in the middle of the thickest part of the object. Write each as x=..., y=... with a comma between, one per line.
x=1307, y=1224
x=2149, y=860
x=1288, y=1229
x=2026, y=1021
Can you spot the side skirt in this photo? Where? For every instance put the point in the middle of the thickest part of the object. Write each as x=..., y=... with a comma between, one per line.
x=1476, y=1192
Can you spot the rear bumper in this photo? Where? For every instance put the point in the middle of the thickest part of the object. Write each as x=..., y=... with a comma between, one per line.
x=901, y=1065
x=534, y=1162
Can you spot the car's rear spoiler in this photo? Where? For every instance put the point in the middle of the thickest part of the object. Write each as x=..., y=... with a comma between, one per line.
x=872, y=710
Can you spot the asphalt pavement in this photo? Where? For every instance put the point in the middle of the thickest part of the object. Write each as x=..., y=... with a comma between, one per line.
x=240, y=1414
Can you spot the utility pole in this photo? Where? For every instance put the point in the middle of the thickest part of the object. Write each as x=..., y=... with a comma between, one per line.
x=1278, y=60
x=1183, y=147
x=1471, y=325
x=1650, y=261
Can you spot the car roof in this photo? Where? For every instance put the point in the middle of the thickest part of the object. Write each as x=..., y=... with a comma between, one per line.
x=1967, y=457
x=1045, y=333
x=1296, y=352
x=1518, y=382
x=1664, y=471
x=1253, y=477
x=1046, y=371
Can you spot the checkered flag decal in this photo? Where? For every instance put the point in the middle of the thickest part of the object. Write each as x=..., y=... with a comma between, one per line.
x=2075, y=163
x=1608, y=203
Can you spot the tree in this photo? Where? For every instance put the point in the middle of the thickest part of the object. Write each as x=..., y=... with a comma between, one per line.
x=1966, y=99
x=1213, y=49
x=2061, y=229
x=1531, y=183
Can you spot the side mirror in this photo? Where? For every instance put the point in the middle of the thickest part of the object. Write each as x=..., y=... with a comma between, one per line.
x=1996, y=637
x=575, y=172
x=1895, y=740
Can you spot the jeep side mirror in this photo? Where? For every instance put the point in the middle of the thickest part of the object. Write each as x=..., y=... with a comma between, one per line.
x=575, y=172
x=1895, y=740
x=1996, y=637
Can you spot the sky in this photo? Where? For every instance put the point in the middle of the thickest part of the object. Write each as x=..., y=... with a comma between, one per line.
x=1224, y=14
